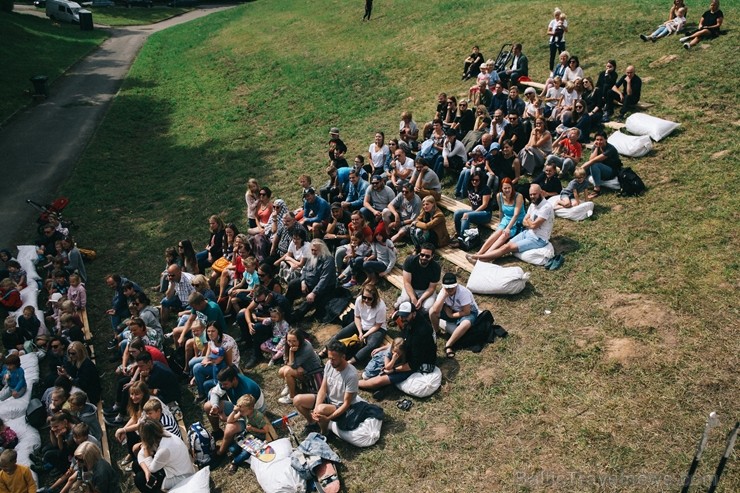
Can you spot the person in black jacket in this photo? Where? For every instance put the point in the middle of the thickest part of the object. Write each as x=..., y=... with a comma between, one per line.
x=82, y=371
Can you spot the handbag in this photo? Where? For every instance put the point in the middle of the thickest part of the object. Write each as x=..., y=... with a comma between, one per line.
x=352, y=342
x=220, y=264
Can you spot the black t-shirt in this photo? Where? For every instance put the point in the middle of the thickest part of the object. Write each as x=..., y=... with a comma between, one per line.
x=165, y=381
x=419, y=342
x=521, y=136
x=466, y=121
x=612, y=157
x=476, y=196
x=422, y=276
x=709, y=18
x=636, y=86
x=552, y=185
x=336, y=145
x=502, y=166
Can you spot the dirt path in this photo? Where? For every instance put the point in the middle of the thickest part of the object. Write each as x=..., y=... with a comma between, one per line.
x=41, y=145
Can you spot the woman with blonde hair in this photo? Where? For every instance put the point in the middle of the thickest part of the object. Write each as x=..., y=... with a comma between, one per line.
x=95, y=470
x=429, y=226
x=81, y=370
x=215, y=246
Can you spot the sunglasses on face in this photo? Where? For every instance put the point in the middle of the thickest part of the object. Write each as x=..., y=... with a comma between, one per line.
x=425, y=255
x=367, y=298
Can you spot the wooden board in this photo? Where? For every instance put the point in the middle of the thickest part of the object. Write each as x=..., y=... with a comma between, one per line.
x=453, y=205
x=104, y=434
x=531, y=83
x=396, y=277
x=86, y=325
x=456, y=256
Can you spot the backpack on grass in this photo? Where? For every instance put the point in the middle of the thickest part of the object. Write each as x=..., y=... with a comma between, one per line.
x=630, y=183
x=202, y=445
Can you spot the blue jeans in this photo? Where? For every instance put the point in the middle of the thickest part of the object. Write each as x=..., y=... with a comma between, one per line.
x=203, y=376
x=475, y=217
x=202, y=259
x=660, y=32
x=462, y=182
x=374, y=267
x=567, y=165
x=601, y=173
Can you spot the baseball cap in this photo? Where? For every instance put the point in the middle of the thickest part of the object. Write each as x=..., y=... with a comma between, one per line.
x=530, y=90
x=405, y=309
x=449, y=281
x=334, y=130
x=309, y=191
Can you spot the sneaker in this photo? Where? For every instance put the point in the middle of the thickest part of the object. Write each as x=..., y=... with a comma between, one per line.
x=112, y=345
x=350, y=284
x=285, y=391
x=643, y=37
x=380, y=394
x=112, y=410
x=684, y=39
x=286, y=399
x=116, y=420
x=687, y=46
x=652, y=39
x=125, y=461
x=169, y=335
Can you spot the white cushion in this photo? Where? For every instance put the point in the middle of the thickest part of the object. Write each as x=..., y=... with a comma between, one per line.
x=631, y=145
x=579, y=212
x=13, y=408
x=29, y=295
x=278, y=476
x=538, y=256
x=656, y=128
x=488, y=278
x=197, y=483
x=364, y=435
x=28, y=439
x=613, y=183
x=421, y=384
x=26, y=257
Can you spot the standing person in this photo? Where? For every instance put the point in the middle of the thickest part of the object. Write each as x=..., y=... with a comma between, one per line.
x=604, y=163
x=251, y=197
x=627, y=91
x=457, y=307
x=709, y=25
x=556, y=30
x=337, y=393
x=368, y=9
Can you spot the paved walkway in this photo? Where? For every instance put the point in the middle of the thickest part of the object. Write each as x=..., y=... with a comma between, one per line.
x=40, y=146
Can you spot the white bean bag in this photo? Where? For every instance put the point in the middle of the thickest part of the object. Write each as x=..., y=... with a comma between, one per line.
x=13, y=408
x=421, y=384
x=278, y=476
x=630, y=145
x=488, y=278
x=197, y=483
x=26, y=257
x=30, y=294
x=580, y=212
x=28, y=439
x=656, y=128
x=613, y=183
x=364, y=435
x=538, y=256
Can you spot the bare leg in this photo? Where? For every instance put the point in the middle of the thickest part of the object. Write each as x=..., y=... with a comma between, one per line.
x=499, y=252
x=375, y=382
x=459, y=332
x=304, y=404
x=289, y=375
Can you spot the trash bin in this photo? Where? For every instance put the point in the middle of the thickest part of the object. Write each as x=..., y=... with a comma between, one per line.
x=86, y=21
x=39, y=85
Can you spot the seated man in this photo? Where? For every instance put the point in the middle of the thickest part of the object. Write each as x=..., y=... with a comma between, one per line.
x=283, y=235
x=162, y=381
x=401, y=212
x=119, y=305
x=421, y=274
x=453, y=155
x=457, y=307
x=316, y=211
x=627, y=91
x=335, y=188
x=317, y=283
x=538, y=223
x=209, y=311
x=403, y=167
x=420, y=350
x=355, y=191
x=337, y=393
x=604, y=163
x=519, y=67
x=179, y=288
x=425, y=181
x=222, y=399
x=471, y=67
x=249, y=320
x=549, y=181
x=377, y=198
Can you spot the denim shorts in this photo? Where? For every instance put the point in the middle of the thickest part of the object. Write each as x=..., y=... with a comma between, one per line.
x=527, y=240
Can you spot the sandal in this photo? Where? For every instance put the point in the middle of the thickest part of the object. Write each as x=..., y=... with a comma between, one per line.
x=594, y=194
x=233, y=468
x=449, y=352
x=327, y=477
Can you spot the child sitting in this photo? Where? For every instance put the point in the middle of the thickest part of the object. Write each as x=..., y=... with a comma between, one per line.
x=86, y=412
x=29, y=323
x=276, y=344
x=15, y=478
x=13, y=378
x=70, y=329
x=385, y=359
x=77, y=293
x=10, y=297
x=17, y=275
x=8, y=438
x=60, y=283
x=569, y=197
x=251, y=421
x=215, y=353
x=13, y=339
x=358, y=249
x=153, y=411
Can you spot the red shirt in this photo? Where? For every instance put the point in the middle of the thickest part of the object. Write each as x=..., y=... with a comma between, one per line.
x=574, y=150
x=156, y=355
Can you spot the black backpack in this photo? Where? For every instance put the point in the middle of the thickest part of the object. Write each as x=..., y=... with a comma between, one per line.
x=630, y=184
x=482, y=332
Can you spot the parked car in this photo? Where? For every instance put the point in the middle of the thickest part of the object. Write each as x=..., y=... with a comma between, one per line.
x=63, y=10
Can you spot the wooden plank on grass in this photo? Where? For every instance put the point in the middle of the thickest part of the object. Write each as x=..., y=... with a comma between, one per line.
x=396, y=277
x=453, y=205
x=531, y=83
x=456, y=256
x=615, y=125
x=104, y=434
x=86, y=325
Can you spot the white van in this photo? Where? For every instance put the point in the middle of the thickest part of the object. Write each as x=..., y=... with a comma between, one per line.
x=63, y=10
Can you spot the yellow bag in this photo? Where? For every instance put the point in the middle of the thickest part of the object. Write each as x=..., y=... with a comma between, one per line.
x=353, y=343
x=220, y=265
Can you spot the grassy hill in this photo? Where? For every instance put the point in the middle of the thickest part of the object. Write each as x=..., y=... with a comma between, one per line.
x=609, y=391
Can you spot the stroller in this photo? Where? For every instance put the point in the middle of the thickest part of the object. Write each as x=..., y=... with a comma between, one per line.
x=53, y=210
x=504, y=57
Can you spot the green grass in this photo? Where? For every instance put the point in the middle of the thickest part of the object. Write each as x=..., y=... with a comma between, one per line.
x=35, y=46
x=136, y=16
x=642, y=342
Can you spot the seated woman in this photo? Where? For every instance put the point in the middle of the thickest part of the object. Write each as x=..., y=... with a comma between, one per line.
x=101, y=475
x=295, y=258
x=408, y=132
x=263, y=212
x=677, y=4
x=164, y=459
x=302, y=366
x=378, y=154
x=607, y=79
x=578, y=118
x=708, y=28
x=369, y=324
x=537, y=149
x=479, y=196
x=671, y=26
x=189, y=262
x=573, y=71
x=481, y=125
x=511, y=210
x=231, y=233
x=82, y=371
x=214, y=248
x=383, y=256
x=505, y=164
x=477, y=162
x=204, y=378
x=429, y=226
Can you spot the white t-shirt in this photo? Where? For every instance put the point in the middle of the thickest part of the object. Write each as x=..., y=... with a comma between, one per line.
x=571, y=75
x=554, y=93
x=553, y=25
x=172, y=455
x=544, y=209
x=378, y=157
x=405, y=165
x=339, y=383
x=569, y=97
x=461, y=297
x=370, y=316
x=299, y=253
